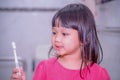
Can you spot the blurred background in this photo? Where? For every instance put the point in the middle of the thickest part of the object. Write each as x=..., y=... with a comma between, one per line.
x=28, y=23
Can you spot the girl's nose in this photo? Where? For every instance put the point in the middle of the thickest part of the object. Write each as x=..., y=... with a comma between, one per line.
x=58, y=38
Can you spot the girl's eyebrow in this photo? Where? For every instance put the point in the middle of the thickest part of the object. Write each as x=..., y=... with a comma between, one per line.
x=53, y=28
x=66, y=29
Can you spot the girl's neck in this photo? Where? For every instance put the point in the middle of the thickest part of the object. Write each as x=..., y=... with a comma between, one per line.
x=70, y=62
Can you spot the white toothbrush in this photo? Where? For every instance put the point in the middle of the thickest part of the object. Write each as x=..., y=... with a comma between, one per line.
x=15, y=57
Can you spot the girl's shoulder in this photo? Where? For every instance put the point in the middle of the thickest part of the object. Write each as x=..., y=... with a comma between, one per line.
x=47, y=62
x=100, y=72
x=98, y=68
x=43, y=68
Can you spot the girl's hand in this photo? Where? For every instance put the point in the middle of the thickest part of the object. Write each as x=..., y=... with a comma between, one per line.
x=16, y=76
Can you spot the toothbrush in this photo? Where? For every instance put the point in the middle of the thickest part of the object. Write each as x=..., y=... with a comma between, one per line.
x=15, y=57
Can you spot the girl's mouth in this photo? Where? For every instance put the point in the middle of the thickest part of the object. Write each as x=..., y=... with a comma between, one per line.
x=58, y=47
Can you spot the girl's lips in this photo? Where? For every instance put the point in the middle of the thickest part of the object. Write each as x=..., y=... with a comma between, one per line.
x=58, y=47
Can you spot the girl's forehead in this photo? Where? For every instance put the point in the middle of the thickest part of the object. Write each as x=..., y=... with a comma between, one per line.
x=60, y=27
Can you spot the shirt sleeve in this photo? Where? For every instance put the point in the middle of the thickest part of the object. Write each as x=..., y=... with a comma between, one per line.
x=40, y=72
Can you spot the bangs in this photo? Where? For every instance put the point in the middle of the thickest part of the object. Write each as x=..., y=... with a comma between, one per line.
x=67, y=19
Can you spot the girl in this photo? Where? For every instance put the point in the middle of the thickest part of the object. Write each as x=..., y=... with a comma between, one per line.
x=76, y=47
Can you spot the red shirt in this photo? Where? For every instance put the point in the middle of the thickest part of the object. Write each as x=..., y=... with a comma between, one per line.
x=51, y=69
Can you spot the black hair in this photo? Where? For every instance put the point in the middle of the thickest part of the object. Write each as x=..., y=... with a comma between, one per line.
x=80, y=18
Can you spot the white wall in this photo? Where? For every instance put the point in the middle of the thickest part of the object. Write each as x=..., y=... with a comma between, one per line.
x=108, y=24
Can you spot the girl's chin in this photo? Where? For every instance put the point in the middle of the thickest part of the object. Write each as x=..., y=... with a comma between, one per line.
x=61, y=54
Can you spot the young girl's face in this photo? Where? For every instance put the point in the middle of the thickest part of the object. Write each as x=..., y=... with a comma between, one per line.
x=65, y=41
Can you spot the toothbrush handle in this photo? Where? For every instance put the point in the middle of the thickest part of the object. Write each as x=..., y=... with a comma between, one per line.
x=18, y=67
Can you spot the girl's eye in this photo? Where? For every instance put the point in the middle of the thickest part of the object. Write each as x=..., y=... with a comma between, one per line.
x=65, y=34
x=54, y=33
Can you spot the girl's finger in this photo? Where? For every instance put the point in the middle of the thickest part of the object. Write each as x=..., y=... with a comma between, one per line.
x=22, y=74
x=15, y=75
x=15, y=70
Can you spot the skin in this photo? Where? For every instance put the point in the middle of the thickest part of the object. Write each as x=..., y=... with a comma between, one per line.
x=15, y=76
x=66, y=44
